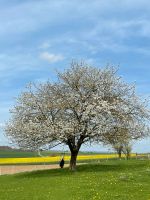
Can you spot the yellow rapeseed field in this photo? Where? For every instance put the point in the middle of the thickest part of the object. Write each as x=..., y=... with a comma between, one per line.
x=50, y=159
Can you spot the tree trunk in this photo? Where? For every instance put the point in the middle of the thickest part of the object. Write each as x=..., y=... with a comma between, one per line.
x=128, y=155
x=119, y=151
x=73, y=160
x=119, y=155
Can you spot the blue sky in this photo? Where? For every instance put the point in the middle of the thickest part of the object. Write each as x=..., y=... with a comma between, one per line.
x=39, y=36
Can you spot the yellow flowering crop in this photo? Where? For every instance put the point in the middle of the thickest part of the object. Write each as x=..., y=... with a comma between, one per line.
x=49, y=159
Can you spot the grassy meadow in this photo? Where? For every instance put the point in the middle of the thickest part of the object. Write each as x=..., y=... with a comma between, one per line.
x=25, y=154
x=107, y=180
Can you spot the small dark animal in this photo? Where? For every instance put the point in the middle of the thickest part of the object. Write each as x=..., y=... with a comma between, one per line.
x=62, y=162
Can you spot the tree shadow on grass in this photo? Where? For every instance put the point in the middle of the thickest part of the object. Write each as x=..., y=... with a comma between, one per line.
x=104, y=167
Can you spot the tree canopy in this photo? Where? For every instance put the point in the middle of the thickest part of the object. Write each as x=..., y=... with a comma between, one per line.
x=86, y=104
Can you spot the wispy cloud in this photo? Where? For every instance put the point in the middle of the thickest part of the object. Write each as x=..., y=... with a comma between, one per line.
x=45, y=45
x=51, y=58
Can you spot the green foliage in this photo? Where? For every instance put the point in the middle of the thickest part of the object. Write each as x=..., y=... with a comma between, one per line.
x=108, y=180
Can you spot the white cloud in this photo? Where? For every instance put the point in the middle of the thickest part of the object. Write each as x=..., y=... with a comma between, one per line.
x=45, y=45
x=51, y=58
x=30, y=16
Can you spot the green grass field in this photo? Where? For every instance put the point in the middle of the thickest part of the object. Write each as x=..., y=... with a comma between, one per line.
x=108, y=180
x=27, y=154
x=24, y=154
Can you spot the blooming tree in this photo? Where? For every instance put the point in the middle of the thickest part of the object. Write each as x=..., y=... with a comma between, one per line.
x=86, y=104
x=120, y=140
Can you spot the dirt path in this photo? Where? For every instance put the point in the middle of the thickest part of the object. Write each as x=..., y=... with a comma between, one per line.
x=13, y=169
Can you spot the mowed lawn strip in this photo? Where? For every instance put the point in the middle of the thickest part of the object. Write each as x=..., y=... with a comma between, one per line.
x=109, y=180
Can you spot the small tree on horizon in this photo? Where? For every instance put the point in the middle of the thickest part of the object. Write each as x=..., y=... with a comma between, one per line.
x=120, y=140
x=84, y=105
x=127, y=148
